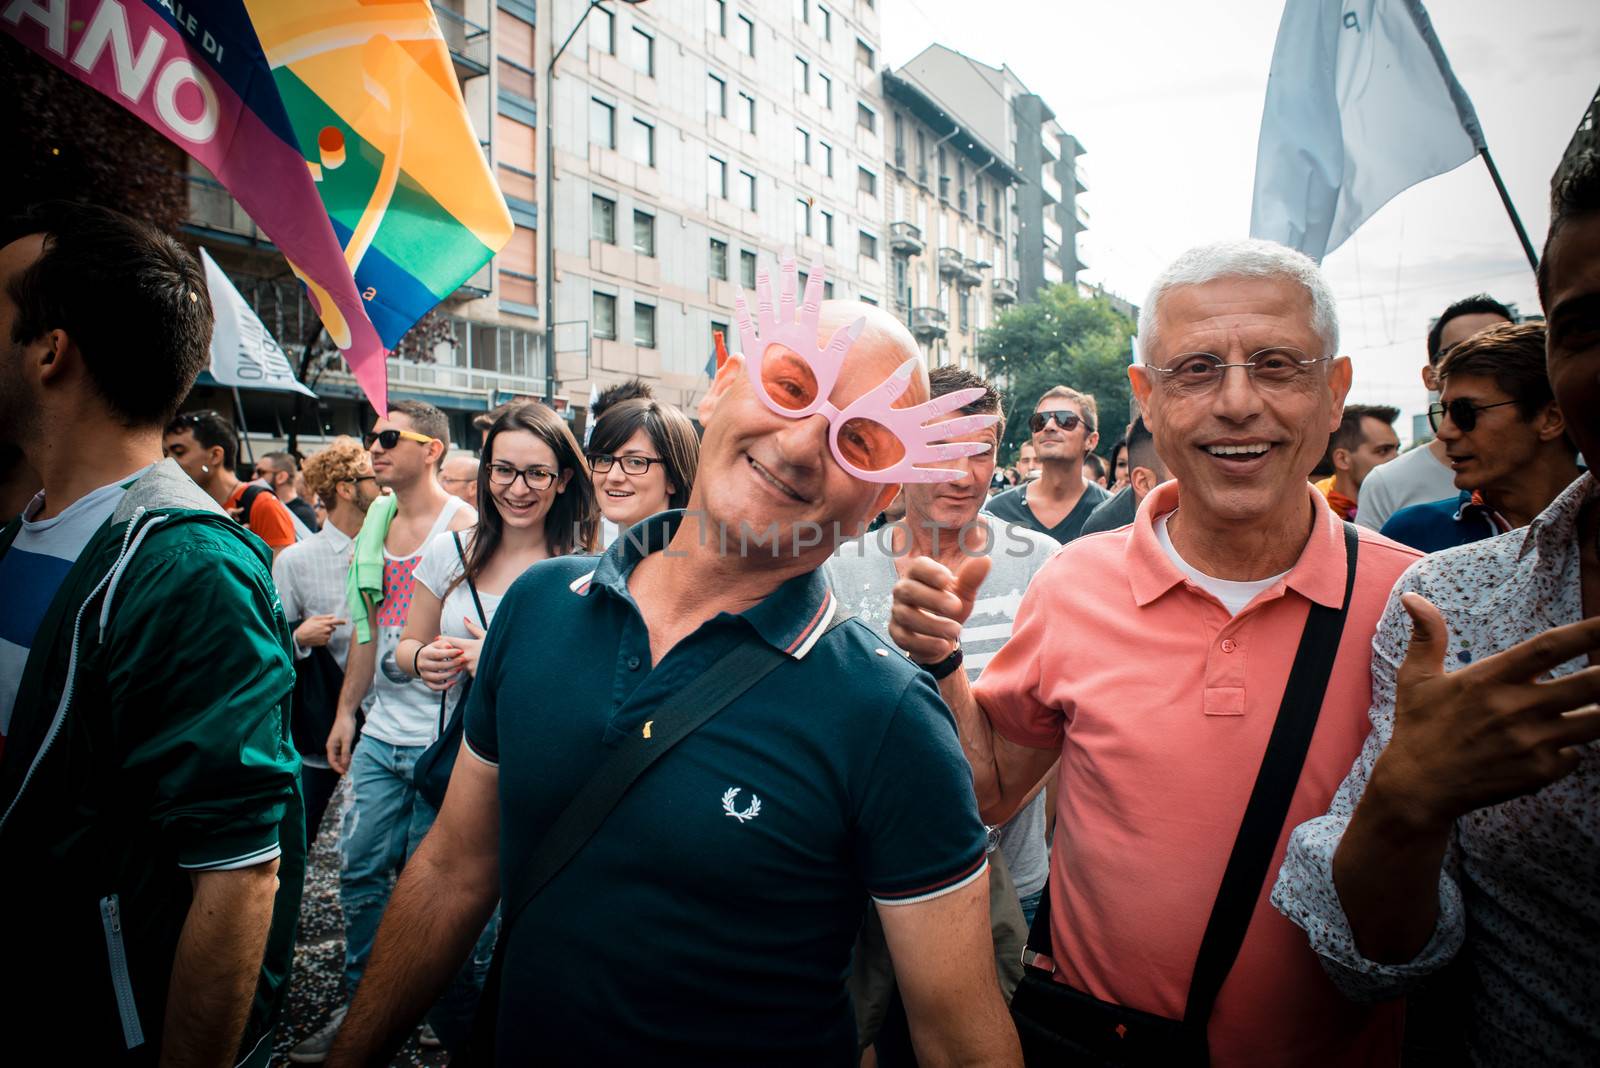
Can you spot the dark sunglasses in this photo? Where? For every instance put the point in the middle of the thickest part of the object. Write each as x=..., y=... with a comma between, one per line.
x=1462, y=412
x=390, y=438
x=193, y=418
x=1066, y=420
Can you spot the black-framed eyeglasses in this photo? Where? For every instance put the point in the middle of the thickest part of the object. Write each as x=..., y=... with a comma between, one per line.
x=1066, y=419
x=535, y=478
x=1278, y=367
x=1462, y=412
x=602, y=462
x=360, y=478
x=391, y=437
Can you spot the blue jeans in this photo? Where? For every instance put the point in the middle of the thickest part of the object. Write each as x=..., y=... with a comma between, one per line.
x=1030, y=905
x=383, y=825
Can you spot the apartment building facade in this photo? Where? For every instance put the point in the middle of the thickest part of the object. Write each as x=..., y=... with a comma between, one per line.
x=694, y=139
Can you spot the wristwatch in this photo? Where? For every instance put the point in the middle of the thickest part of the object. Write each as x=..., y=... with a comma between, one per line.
x=941, y=669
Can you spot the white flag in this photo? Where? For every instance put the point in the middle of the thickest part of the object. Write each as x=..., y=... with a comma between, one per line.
x=243, y=353
x=1361, y=104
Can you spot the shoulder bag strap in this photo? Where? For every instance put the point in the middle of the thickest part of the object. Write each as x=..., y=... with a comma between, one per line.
x=1270, y=798
x=729, y=677
x=483, y=620
x=1265, y=812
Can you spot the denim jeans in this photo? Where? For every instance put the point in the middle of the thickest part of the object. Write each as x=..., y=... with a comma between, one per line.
x=1030, y=905
x=384, y=822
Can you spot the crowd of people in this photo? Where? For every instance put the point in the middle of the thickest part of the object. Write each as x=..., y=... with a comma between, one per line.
x=800, y=730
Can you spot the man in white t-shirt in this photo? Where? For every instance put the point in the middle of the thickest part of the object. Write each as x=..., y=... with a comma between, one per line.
x=386, y=819
x=1423, y=474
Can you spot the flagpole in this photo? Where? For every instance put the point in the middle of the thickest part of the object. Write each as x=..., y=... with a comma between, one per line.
x=244, y=431
x=1505, y=198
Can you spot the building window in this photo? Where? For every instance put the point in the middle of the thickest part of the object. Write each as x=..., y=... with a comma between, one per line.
x=747, y=36
x=826, y=18
x=643, y=51
x=644, y=325
x=866, y=182
x=899, y=140
x=644, y=143
x=711, y=342
x=802, y=75
x=644, y=233
x=602, y=124
x=869, y=245
x=717, y=177
x=603, y=31
x=902, y=288
x=747, y=112
x=827, y=228
x=825, y=85
x=866, y=118
x=717, y=17
x=802, y=216
x=604, y=316
x=719, y=259
x=716, y=96
x=802, y=10
x=603, y=219
x=747, y=191
x=747, y=269
x=802, y=145
x=827, y=158
x=965, y=306
x=865, y=55
x=827, y=291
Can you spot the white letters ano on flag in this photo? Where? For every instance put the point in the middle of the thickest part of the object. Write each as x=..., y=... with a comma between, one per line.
x=1361, y=104
x=243, y=352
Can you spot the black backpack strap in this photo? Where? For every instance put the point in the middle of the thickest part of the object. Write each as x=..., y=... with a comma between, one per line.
x=247, y=501
x=1269, y=799
x=483, y=621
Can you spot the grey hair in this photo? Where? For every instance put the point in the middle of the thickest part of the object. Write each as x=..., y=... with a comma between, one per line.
x=1250, y=258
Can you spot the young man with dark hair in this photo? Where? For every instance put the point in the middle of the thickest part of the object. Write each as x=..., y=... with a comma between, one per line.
x=1059, y=501
x=1364, y=441
x=278, y=470
x=1423, y=474
x=632, y=389
x=1504, y=436
x=1145, y=473
x=1472, y=805
x=387, y=817
x=150, y=826
x=205, y=446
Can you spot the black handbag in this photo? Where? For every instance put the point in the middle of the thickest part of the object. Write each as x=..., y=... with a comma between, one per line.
x=431, y=773
x=723, y=682
x=1060, y=1026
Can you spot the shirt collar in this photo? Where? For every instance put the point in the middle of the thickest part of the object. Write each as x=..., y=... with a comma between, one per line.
x=337, y=538
x=790, y=619
x=1318, y=575
x=1557, y=526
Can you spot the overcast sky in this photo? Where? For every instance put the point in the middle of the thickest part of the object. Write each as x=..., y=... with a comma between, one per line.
x=1166, y=97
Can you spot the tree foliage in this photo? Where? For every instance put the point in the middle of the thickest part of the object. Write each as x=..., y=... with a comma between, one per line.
x=1060, y=339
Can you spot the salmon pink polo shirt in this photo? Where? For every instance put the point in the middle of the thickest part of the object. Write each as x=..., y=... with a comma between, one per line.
x=1161, y=705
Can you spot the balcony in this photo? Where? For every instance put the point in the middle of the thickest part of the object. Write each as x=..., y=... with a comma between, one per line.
x=905, y=239
x=971, y=272
x=929, y=324
x=467, y=40
x=1004, y=290
x=951, y=262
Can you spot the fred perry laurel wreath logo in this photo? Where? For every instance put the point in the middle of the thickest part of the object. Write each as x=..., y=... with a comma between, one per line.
x=730, y=809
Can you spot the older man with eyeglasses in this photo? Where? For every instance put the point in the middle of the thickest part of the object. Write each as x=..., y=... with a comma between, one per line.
x=1167, y=781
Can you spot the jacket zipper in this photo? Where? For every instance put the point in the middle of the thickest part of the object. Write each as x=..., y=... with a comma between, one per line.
x=121, y=983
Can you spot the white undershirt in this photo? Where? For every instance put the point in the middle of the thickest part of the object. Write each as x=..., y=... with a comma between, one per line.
x=1233, y=595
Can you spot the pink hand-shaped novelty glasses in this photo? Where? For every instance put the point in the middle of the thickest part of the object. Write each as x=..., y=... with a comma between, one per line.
x=872, y=440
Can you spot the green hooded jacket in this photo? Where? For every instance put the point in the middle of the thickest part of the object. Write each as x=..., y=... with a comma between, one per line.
x=149, y=740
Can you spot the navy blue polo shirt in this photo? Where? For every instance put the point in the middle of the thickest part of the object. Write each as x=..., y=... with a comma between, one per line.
x=710, y=920
x=1442, y=524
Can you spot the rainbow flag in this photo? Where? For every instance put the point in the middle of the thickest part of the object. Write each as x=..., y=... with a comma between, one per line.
x=337, y=125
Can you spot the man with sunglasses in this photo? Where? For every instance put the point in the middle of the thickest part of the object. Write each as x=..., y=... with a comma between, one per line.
x=1240, y=384
x=708, y=921
x=1059, y=500
x=386, y=819
x=1504, y=436
x=204, y=444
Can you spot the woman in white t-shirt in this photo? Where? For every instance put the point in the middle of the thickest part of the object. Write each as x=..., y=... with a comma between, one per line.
x=540, y=504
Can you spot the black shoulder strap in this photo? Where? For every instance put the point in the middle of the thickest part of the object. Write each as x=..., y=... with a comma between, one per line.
x=483, y=620
x=722, y=683
x=247, y=501
x=1267, y=809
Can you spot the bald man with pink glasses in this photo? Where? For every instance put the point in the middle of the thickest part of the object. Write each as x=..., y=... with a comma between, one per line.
x=686, y=771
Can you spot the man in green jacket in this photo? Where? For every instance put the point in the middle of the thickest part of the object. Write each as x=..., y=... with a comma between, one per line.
x=152, y=846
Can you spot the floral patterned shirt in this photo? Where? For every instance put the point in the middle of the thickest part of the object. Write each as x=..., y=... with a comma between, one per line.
x=1520, y=887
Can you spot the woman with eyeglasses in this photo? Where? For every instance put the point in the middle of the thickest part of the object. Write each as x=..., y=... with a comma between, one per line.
x=644, y=455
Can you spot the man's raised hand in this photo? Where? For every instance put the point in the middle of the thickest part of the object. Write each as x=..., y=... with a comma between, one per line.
x=931, y=603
